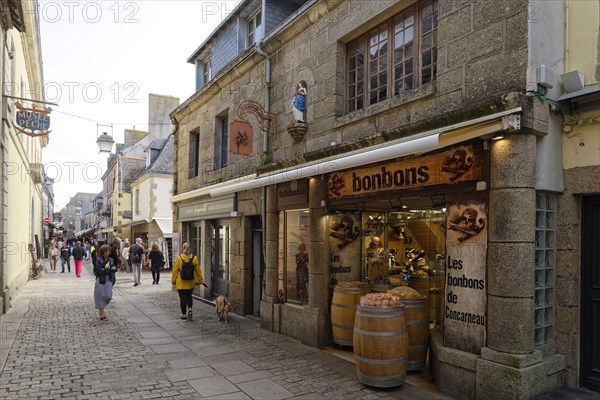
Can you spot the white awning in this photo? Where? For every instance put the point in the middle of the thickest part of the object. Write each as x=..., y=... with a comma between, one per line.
x=165, y=225
x=416, y=144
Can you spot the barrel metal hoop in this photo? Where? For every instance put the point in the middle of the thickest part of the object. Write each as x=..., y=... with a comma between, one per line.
x=419, y=322
x=344, y=305
x=369, y=333
x=402, y=360
x=342, y=326
x=358, y=313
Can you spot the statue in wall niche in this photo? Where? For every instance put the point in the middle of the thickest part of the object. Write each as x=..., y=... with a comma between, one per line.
x=299, y=103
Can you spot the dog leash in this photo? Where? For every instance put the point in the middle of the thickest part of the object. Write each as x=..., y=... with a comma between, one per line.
x=215, y=295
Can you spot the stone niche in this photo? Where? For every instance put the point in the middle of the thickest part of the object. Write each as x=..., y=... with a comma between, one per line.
x=297, y=130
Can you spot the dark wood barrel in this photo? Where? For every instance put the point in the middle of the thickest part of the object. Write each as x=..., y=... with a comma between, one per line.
x=417, y=325
x=380, y=346
x=343, y=308
x=421, y=284
x=381, y=288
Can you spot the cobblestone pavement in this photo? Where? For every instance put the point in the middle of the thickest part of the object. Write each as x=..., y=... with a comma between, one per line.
x=53, y=346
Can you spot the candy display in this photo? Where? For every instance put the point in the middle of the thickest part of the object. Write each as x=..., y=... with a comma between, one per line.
x=380, y=300
x=381, y=280
x=353, y=284
x=404, y=292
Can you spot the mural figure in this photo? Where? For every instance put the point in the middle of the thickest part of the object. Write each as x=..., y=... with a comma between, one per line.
x=458, y=164
x=467, y=224
x=344, y=230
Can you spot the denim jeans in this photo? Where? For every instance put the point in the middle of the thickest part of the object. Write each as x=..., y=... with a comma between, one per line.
x=137, y=272
x=63, y=262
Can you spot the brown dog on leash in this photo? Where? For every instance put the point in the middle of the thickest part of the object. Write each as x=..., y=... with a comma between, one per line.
x=222, y=306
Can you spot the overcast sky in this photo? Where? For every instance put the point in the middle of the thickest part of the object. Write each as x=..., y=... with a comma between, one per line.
x=101, y=60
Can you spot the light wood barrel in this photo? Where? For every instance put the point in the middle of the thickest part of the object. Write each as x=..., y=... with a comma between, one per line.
x=417, y=324
x=380, y=346
x=436, y=292
x=343, y=308
x=421, y=284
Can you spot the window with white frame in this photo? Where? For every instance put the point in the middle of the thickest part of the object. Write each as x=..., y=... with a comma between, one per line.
x=545, y=262
x=206, y=71
x=254, y=29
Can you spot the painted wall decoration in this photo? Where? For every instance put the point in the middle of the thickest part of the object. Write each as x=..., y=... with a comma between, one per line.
x=344, y=244
x=32, y=121
x=466, y=285
x=458, y=164
x=240, y=137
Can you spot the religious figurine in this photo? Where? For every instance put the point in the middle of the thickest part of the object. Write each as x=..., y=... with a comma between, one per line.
x=299, y=104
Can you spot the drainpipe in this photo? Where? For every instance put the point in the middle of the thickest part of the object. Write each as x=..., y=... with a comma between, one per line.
x=260, y=51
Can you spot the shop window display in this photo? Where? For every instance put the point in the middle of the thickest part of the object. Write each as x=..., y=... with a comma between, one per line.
x=296, y=256
x=394, y=248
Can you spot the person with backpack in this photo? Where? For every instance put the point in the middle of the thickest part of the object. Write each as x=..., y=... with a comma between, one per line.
x=78, y=256
x=157, y=261
x=65, y=257
x=137, y=257
x=186, y=276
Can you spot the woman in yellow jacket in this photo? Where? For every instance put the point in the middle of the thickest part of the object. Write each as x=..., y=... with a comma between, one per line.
x=185, y=287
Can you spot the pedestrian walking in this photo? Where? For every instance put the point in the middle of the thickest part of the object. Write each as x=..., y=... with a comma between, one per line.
x=157, y=261
x=78, y=256
x=65, y=257
x=103, y=269
x=186, y=275
x=88, y=246
x=114, y=255
x=125, y=256
x=53, y=253
x=94, y=253
x=137, y=257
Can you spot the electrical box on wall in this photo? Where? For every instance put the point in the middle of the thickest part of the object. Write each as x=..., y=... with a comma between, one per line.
x=545, y=76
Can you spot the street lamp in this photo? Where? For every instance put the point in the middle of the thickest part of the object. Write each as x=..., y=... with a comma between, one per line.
x=104, y=141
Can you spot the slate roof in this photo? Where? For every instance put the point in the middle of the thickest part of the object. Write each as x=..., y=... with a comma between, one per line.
x=164, y=163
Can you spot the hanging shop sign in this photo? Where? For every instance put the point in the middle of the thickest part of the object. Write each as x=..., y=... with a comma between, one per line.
x=204, y=209
x=344, y=245
x=292, y=193
x=240, y=137
x=32, y=121
x=466, y=285
x=458, y=164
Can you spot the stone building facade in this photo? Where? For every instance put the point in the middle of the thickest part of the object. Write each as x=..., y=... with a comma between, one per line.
x=398, y=86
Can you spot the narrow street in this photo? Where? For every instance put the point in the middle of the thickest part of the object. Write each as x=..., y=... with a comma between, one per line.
x=53, y=346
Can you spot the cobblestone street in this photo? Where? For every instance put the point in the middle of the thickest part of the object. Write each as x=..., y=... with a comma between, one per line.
x=54, y=346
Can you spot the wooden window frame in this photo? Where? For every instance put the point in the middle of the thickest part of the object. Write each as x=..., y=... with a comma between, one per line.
x=363, y=41
x=223, y=126
x=206, y=70
x=194, y=154
x=253, y=24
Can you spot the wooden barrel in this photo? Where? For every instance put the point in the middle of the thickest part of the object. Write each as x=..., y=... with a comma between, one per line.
x=417, y=325
x=436, y=292
x=343, y=308
x=421, y=284
x=381, y=288
x=380, y=346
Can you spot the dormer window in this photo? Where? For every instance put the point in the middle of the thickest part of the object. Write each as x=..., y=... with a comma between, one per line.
x=254, y=29
x=206, y=71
